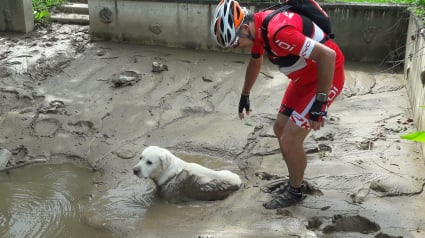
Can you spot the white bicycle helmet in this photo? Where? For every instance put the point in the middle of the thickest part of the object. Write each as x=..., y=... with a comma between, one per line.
x=228, y=18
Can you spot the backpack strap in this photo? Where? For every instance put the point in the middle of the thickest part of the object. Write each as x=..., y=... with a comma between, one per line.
x=308, y=28
x=265, y=25
x=307, y=25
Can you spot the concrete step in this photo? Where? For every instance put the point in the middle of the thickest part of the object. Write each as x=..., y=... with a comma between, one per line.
x=70, y=7
x=70, y=18
x=71, y=13
x=78, y=1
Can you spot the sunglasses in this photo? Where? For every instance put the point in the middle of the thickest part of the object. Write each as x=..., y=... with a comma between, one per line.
x=235, y=43
x=240, y=35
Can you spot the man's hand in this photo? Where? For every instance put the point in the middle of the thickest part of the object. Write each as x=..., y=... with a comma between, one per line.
x=317, y=113
x=244, y=104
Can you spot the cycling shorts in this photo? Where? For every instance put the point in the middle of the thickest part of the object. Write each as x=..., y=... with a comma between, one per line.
x=300, y=96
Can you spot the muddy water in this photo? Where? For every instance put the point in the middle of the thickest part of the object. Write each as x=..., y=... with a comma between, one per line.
x=54, y=200
x=45, y=201
x=132, y=207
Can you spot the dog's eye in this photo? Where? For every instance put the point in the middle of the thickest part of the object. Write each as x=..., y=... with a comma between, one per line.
x=148, y=162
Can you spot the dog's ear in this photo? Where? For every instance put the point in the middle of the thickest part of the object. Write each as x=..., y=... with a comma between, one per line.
x=166, y=158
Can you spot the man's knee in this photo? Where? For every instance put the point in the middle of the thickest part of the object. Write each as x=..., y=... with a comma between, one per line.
x=293, y=139
x=279, y=125
x=278, y=130
x=289, y=143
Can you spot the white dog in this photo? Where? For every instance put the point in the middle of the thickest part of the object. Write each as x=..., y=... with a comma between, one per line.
x=178, y=180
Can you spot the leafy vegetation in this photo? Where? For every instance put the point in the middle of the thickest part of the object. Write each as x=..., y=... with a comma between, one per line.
x=415, y=6
x=42, y=8
x=380, y=1
x=416, y=2
x=415, y=136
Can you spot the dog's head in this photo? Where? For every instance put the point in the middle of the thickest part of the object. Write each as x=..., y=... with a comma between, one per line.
x=153, y=164
x=150, y=162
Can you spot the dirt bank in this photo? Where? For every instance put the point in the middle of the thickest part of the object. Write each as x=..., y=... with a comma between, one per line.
x=64, y=97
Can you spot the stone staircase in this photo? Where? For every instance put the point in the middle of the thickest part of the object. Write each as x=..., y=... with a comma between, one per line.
x=72, y=12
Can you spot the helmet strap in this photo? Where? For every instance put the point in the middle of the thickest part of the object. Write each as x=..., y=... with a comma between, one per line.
x=248, y=36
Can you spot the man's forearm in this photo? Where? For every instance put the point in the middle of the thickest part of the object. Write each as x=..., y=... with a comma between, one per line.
x=251, y=74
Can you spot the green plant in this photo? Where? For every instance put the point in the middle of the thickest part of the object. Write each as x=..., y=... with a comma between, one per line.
x=415, y=136
x=415, y=2
x=42, y=8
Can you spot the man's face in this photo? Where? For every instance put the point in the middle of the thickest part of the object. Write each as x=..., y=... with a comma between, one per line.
x=243, y=39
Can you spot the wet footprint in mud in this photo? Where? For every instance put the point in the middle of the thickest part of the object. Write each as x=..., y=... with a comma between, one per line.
x=46, y=127
x=319, y=148
x=86, y=128
x=356, y=223
x=383, y=235
x=205, y=236
x=360, y=196
x=53, y=106
x=266, y=176
x=327, y=137
x=126, y=78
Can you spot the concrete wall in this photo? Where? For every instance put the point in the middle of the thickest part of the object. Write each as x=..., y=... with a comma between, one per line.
x=154, y=23
x=16, y=16
x=367, y=33
x=370, y=33
x=414, y=71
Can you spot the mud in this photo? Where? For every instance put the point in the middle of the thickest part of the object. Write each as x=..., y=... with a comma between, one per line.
x=66, y=98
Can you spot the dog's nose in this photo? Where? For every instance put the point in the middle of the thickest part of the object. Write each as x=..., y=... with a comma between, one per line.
x=136, y=170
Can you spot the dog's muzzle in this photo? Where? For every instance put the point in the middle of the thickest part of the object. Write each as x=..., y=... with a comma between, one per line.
x=136, y=170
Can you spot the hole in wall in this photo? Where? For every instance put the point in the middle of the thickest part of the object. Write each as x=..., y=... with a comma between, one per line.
x=105, y=15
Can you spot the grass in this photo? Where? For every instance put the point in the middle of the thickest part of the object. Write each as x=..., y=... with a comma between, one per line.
x=42, y=8
x=416, y=6
x=415, y=2
x=381, y=1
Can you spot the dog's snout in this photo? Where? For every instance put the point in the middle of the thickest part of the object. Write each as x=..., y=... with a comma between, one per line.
x=136, y=170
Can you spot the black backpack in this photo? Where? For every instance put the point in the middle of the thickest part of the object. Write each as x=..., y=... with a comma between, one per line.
x=310, y=12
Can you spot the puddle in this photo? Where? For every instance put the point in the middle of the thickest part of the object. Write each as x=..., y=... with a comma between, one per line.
x=52, y=200
x=132, y=206
x=46, y=201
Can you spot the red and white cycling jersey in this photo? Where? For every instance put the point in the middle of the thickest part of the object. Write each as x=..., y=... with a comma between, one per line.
x=287, y=42
x=286, y=38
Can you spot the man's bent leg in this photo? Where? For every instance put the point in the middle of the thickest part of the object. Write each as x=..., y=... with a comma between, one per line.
x=291, y=142
x=278, y=129
x=293, y=148
x=291, y=138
